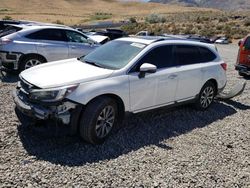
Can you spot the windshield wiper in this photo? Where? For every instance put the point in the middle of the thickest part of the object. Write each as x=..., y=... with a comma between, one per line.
x=93, y=63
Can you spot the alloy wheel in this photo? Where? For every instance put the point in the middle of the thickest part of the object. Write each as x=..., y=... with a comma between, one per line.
x=31, y=63
x=105, y=121
x=207, y=97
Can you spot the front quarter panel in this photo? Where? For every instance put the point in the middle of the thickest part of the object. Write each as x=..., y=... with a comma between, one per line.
x=117, y=85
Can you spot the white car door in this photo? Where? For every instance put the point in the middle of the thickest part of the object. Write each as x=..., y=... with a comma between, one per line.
x=189, y=71
x=155, y=89
x=79, y=45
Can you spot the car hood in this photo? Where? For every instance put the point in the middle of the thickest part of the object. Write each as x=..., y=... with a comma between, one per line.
x=98, y=38
x=64, y=72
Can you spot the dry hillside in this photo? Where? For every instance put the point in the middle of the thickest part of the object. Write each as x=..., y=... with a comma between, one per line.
x=83, y=11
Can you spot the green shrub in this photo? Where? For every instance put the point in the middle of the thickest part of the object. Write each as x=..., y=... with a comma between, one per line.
x=132, y=20
x=101, y=16
x=59, y=22
x=247, y=21
x=7, y=18
x=155, y=18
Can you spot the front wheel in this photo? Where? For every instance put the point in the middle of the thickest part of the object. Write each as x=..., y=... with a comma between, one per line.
x=206, y=96
x=98, y=120
x=31, y=61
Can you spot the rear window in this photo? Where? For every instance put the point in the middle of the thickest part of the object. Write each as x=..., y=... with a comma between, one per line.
x=48, y=34
x=188, y=54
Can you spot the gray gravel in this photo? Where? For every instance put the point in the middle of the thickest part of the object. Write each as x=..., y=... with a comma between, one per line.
x=177, y=147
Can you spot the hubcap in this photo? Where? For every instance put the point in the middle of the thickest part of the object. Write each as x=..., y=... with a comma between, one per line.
x=207, y=97
x=105, y=121
x=32, y=63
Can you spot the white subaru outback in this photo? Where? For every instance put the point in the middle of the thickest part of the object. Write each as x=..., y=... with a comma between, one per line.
x=91, y=94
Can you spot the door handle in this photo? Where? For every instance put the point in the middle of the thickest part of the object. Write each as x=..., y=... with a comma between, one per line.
x=172, y=76
x=73, y=47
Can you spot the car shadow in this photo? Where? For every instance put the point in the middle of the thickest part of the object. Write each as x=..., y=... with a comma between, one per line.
x=8, y=76
x=138, y=130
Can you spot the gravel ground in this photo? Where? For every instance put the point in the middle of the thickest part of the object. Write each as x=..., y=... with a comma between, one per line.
x=177, y=147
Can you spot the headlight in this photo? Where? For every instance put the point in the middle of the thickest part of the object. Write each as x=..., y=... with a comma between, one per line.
x=53, y=94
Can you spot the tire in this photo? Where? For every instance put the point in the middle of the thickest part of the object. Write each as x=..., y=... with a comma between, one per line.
x=94, y=126
x=30, y=61
x=206, y=96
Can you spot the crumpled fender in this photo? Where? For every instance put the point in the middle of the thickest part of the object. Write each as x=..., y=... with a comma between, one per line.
x=235, y=91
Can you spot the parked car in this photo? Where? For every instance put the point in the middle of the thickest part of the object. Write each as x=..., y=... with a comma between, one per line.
x=35, y=44
x=214, y=38
x=243, y=60
x=144, y=33
x=112, y=33
x=92, y=93
x=4, y=23
x=222, y=40
x=98, y=38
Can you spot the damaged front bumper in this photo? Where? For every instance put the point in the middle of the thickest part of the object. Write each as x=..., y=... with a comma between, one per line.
x=59, y=111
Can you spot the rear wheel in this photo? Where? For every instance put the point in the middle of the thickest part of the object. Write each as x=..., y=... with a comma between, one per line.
x=31, y=61
x=98, y=120
x=206, y=96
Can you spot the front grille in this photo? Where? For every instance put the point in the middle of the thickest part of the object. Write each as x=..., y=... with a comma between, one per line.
x=26, y=87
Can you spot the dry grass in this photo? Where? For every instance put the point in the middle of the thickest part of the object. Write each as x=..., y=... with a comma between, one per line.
x=82, y=11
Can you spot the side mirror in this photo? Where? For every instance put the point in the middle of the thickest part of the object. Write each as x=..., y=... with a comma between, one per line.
x=146, y=68
x=239, y=43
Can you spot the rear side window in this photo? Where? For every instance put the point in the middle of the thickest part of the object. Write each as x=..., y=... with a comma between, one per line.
x=48, y=34
x=247, y=43
x=161, y=57
x=206, y=55
x=186, y=54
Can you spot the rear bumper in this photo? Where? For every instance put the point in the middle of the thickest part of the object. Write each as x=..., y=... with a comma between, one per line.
x=243, y=69
x=10, y=59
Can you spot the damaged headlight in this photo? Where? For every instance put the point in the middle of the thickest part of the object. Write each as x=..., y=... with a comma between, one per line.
x=52, y=94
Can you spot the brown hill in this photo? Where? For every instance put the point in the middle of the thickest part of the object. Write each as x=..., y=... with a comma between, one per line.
x=220, y=4
x=84, y=11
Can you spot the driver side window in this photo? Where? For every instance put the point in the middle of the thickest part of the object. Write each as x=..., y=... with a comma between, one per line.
x=76, y=37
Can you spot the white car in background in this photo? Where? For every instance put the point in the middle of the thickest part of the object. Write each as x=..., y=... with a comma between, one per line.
x=37, y=44
x=222, y=40
x=92, y=93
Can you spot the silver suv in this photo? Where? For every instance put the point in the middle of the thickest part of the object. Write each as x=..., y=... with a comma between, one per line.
x=34, y=45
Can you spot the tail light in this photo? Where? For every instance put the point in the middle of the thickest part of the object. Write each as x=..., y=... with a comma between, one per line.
x=5, y=41
x=224, y=66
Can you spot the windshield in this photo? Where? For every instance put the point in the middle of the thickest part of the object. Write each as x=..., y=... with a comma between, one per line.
x=114, y=54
